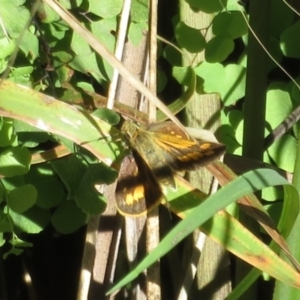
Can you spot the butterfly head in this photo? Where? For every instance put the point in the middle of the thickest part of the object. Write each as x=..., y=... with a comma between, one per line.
x=129, y=129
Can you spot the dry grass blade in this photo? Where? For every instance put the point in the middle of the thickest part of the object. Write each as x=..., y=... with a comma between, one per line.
x=152, y=229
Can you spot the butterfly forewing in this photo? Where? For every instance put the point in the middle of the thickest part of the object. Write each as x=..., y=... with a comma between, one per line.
x=182, y=152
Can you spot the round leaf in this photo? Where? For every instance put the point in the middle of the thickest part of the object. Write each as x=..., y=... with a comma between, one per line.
x=289, y=41
x=283, y=152
x=68, y=217
x=228, y=81
x=50, y=192
x=87, y=197
x=218, y=49
x=32, y=221
x=279, y=104
x=231, y=25
x=7, y=134
x=70, y=170
x=189, y=38
x=105, y=8
x=14, y=161
x=107, y=115
x=22, y=198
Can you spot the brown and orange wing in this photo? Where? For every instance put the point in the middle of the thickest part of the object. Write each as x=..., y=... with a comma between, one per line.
x=138, y=191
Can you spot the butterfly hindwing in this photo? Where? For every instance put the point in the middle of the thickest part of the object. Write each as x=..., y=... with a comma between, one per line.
x=137, y=189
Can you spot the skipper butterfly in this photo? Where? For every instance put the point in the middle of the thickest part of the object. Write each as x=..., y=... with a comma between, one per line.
x=157, y=153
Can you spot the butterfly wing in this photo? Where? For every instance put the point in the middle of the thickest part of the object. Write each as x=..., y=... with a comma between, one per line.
x=158, y=153
x=152, y=154
x=183, y=153
x=138, y=191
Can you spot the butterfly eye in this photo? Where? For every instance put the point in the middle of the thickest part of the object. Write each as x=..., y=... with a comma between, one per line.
x=127, y=135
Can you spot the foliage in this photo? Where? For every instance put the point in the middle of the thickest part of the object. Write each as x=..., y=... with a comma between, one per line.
x=57, y=61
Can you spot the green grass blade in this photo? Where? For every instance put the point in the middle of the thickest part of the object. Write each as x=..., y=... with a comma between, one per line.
x=49, y=114
x=243, y=185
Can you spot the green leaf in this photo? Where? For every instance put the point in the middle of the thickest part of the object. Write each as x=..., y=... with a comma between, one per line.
x=49, y=188
x=7, y=134
x=17, y=242
x=218, y=49
x=289, y=41
x=207, y=6
x=3, y=65
x=90, y=200
x=62, y=56
x=21, y=75
x=239, y=133
x=14, y=161
x=32, y=139
x=10, y=183
x=30, y=45
x=281, y=17
x=50, y=192
x=2, y=240
x=49, y=114
x=226, y=135
x=68, y=217
x=70, y=170
x=189, y=38
x=228, y=81
x=7, y=47
x=69, y=5
x=85, y=60
x=47, y=14
x=172, y=55
x=86, y=86
x=80, y=46
x=180, y=103
x=12, y=10
x=87, y=197
x=104, y=29
x=272, y=194
x=139, y=11
x=229, y=24
x=107, y=115
x=101, y=173
x=32, y=221
x=135, y=32
x=87, y=63
x=5, y=225
x=162, y=80
x=2, y=193
x=14, y=251
x=279, y=104
x=22, y=198
x=183, y=74
x=283, y=152
x=105, y=8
